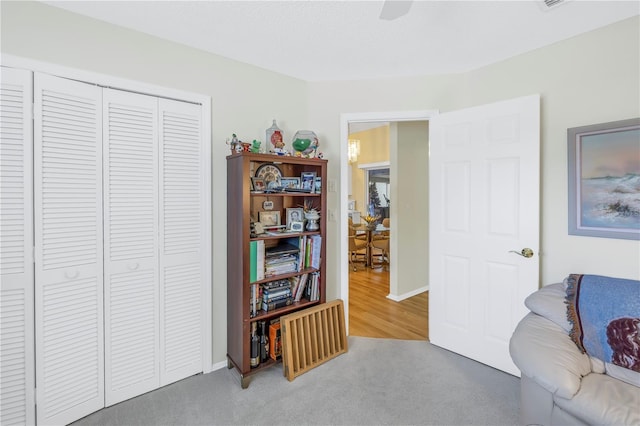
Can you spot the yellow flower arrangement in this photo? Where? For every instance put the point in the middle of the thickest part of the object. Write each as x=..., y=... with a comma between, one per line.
x=370, y=219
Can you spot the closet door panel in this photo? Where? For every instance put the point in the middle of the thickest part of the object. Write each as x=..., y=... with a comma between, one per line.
x=17, y=378
x=68, y=236
x=131, y=245
x=181, y=240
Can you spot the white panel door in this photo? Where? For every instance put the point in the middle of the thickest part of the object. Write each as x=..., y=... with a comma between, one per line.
x=484, y=203
x=181, y=240
x=17, y=379
x=130, y=149
x=68, y=237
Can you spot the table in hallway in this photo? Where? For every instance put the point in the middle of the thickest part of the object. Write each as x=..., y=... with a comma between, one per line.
x=369, y=232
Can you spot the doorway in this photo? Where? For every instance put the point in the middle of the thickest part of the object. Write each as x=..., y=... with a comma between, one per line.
x=384, y=282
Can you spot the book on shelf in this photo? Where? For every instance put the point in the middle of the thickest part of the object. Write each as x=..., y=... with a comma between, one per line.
x=255, y=302
x=276, y=284
x=275, y=344
x=300, y=287
x=313, y=287
x=256, y=260
x=316, y=245
x=269, y=296
x=302, y=243
x=277, y=304
x=285, y=247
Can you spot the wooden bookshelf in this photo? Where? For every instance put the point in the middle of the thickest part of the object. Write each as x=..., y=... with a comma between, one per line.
x=243, y=207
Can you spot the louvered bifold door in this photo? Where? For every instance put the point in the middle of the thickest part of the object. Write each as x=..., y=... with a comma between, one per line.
x=68, y=236
x=131, y=245
x=181, y=240
x=17, y=383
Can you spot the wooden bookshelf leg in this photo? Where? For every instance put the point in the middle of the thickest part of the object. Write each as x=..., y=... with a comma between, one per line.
x=229, y=364
x=244, y=381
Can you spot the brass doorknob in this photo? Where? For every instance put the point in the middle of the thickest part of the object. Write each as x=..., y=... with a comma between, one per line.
x=526, y=252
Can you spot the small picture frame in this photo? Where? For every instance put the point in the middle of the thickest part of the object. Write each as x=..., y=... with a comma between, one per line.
x=290, y=182
x=297, y=226
x=257, y=184
x=270, y=218
x=307, y=180
x=294, y=214
x=267, y=205
x=317, y=185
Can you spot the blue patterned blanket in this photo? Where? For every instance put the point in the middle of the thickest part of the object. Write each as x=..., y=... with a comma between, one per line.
x=605, y=317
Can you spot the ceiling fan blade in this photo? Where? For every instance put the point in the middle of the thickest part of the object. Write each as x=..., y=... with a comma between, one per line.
x=393, y=9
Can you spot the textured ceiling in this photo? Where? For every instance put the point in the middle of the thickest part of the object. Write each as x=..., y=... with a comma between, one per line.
x=346, y=40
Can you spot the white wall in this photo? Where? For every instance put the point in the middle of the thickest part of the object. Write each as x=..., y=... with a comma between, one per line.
x=410, y=212
x=588, y=79
x=244, y=98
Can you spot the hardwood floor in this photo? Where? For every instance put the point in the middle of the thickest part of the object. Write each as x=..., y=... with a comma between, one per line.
x=371, y=314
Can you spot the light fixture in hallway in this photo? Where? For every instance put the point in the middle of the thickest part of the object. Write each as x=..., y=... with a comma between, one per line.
x=353, y=150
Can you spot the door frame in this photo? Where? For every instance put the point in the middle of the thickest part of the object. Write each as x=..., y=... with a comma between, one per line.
x=343, y=233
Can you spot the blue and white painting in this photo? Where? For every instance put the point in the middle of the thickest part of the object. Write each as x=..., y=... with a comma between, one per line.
x=610, y=180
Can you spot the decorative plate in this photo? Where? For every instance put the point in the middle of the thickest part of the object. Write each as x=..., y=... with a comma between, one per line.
x=269, y=172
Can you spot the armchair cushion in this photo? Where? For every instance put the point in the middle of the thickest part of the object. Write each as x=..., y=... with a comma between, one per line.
x=549, y=303
x=604, y=400
x=543, y=351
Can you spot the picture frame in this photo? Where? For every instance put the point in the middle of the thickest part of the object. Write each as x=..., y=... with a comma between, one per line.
x=604, y=174
x=269, y=218
x=290, y=182
x=307, y=180
x=317, y=185
x=294, y=214
x=258, y=184
x=297, y=226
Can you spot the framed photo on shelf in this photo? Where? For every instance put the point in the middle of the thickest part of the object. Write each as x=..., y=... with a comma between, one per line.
x=294, y=214
x=290, y=182
x=604, y=169
x=270, y=218
x=297, y=226
x=257, y=184
x=307, y=180
x=317, y=185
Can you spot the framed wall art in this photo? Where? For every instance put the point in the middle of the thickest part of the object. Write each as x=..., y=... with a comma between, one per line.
x=604, y=179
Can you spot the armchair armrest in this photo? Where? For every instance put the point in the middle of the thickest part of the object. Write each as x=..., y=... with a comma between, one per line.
x=543, y=351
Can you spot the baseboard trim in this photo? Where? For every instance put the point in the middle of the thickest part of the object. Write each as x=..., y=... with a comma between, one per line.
x=408, y=295
x=218, y=365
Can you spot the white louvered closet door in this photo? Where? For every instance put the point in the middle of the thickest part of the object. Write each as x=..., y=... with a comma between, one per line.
x=181, y=240
x=17, y=381
x=131, y=245
x=68, y=236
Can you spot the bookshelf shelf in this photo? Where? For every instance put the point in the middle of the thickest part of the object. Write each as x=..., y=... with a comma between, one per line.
x=283, y=235
x=284, y=276
x=295, y=306
x=246, y=255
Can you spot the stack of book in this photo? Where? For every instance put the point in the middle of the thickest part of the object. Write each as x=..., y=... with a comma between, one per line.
x=280, y=264
x=281, y=259
x=276, y=294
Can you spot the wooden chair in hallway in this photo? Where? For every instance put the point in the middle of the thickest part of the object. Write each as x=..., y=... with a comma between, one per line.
x=381, y=242
x=357, y=247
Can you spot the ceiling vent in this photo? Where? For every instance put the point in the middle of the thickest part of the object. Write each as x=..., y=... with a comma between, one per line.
x=551, y=4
